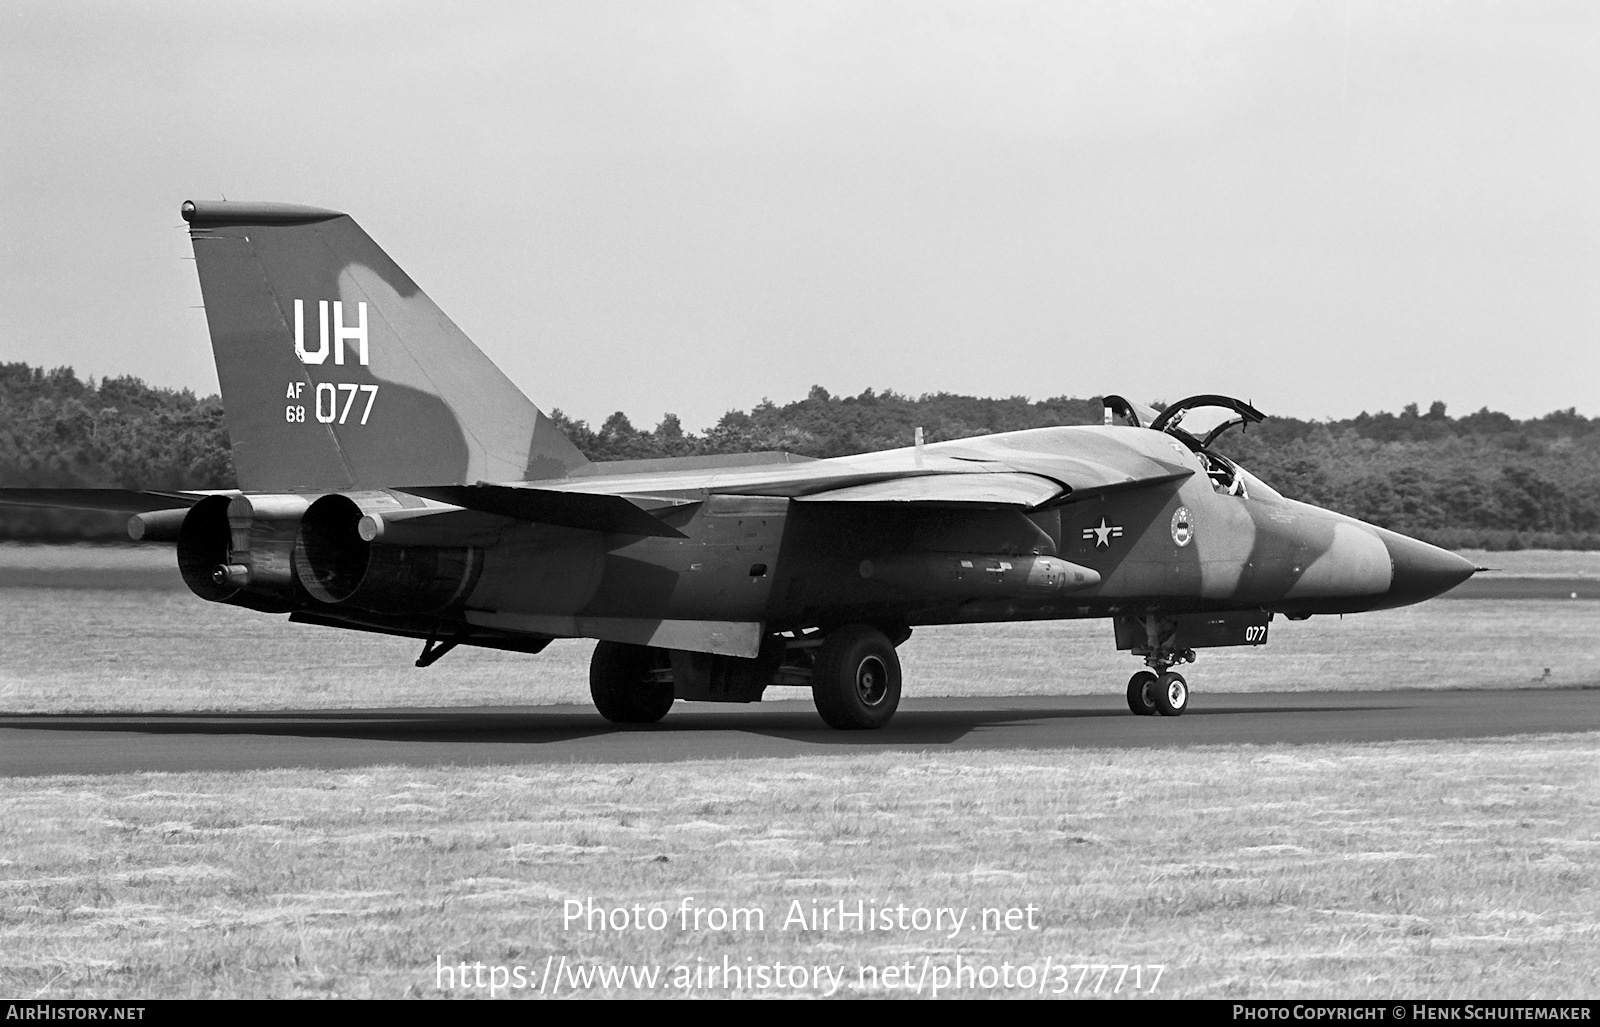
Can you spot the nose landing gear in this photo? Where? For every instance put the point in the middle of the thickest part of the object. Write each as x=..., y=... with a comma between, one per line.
x=1159, y=690
x=1150, y=693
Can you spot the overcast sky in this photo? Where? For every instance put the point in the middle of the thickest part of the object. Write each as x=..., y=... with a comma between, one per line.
x=1324, y=207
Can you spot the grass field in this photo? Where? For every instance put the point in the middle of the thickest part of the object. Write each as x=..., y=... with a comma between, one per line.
x=1400, y=870
x=1418, y=869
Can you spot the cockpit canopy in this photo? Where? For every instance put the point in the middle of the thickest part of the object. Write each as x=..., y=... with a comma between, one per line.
x=1211, y=414
x=1197, y=422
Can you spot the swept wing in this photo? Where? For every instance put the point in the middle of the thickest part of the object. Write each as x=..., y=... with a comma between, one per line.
x=1024, y=470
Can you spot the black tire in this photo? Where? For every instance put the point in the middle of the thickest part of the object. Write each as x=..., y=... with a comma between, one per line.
x=619, y=682
x=1142, y=693
x=1172, y=695
x=855, y=680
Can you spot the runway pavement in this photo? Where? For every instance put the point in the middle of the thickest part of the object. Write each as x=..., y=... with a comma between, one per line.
x=44, y=744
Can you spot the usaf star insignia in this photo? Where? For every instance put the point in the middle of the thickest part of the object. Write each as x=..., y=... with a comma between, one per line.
x=1103, y=533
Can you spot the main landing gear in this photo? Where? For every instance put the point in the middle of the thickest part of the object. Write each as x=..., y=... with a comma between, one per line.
x=855, y=680
x=627, y=683
x=853, y=672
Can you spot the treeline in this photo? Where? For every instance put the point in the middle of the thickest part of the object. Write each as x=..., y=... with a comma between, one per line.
x=59, y=432
x=824, y=425
x=1482, y=480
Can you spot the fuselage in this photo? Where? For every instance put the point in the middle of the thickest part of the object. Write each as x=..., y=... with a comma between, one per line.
x=1190, y=544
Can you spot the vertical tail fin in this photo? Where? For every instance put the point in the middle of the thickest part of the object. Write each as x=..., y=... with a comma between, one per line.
x=337, y=372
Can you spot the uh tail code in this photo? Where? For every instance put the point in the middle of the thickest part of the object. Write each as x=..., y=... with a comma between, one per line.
x=326, y=406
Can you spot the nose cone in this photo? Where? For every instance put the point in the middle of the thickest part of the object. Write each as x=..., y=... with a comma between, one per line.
x=1422, y=571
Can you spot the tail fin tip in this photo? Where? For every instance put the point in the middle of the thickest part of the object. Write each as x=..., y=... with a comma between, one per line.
x=235, y=212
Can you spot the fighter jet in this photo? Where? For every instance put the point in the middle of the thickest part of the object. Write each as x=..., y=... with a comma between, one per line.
x=393, y=480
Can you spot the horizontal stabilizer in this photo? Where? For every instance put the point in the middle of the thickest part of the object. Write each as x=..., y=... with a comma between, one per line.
x=113, y=500
x=990, y=490
x=590, y=511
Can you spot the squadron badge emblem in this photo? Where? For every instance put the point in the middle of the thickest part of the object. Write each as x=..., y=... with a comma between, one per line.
x=1182, y=527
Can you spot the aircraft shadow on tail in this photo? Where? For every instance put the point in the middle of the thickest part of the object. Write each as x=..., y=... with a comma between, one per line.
x=393, y=480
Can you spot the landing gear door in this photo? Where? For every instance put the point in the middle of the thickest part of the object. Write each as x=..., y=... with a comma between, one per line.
x=1180, y=631
x=1203, y=428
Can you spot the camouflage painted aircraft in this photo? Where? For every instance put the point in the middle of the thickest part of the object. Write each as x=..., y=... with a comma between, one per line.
x=394, y=480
